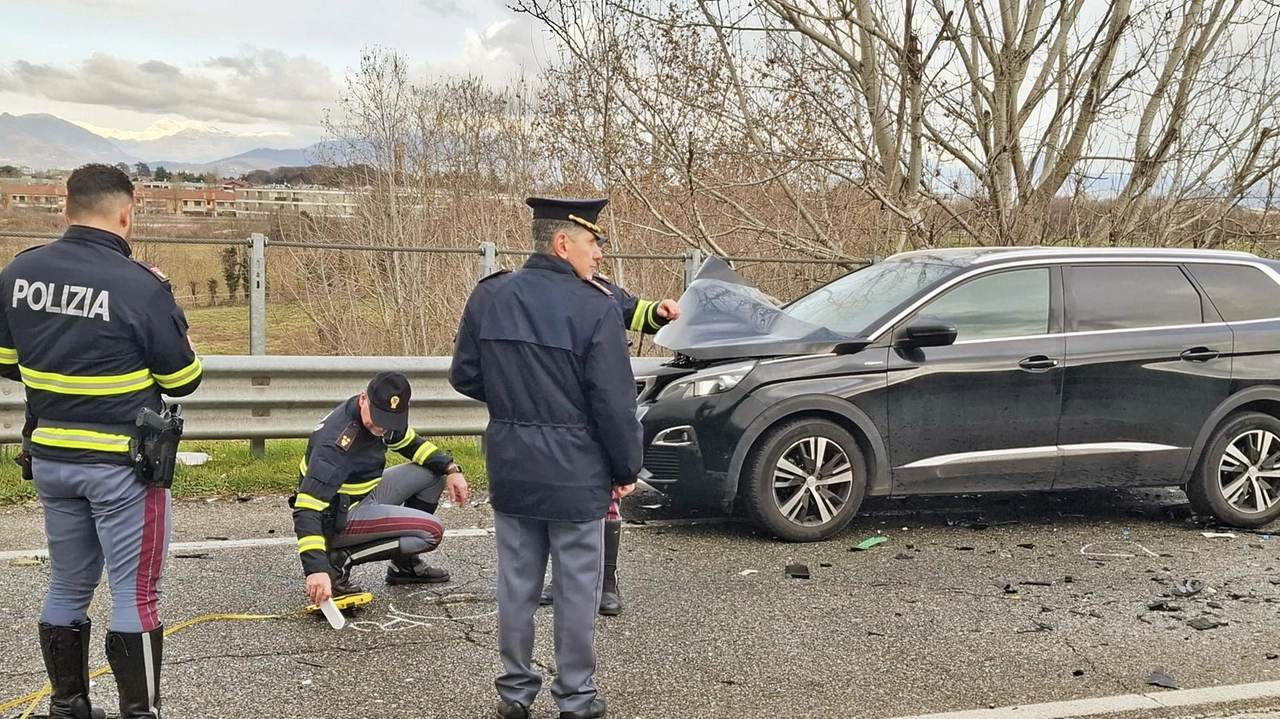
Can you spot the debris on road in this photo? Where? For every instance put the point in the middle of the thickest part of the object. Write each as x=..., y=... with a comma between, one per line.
x=866, y=544
x=1162, y=606
x=1203, y=623
x=797, y=571
x=1218, y=535
x=1187, y=587
x=748, y=572
x=1160, y=677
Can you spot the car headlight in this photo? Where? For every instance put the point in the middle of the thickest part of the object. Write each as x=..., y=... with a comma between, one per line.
x=708, y=382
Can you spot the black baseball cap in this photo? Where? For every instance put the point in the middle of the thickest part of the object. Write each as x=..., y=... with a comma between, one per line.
x=389, y=401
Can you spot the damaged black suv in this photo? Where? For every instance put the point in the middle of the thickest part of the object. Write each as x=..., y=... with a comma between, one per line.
x=973, y=370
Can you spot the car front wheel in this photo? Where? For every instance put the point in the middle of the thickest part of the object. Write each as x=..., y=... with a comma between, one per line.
x=805, y=480
x=1238, y=480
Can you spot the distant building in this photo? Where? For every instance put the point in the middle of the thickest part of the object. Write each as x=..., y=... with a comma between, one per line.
x=148, y=200
x=319, y=202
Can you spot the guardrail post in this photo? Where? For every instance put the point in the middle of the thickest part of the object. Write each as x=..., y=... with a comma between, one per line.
x=692, y=261
x=488, y=259
x=258, y=315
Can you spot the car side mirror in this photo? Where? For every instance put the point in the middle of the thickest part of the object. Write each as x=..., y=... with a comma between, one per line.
x=926, y=332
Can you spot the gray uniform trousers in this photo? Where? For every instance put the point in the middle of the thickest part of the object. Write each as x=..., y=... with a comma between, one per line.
x=381, y=515
x=96, y=513
x=576, y=550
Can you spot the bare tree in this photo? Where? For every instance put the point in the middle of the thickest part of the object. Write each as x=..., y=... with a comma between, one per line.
x=968, y=117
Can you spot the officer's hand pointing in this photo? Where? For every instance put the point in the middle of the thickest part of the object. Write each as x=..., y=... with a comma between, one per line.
x=457, y=485
x=669, y=309
x=319, y=587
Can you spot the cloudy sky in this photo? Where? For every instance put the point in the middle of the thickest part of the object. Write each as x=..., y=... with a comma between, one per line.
x=242, y=65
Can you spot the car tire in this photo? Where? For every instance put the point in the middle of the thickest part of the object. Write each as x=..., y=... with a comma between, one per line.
x=1251, y=442
x=816, y=505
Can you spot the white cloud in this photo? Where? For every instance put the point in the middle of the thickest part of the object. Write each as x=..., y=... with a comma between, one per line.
x=255, y=85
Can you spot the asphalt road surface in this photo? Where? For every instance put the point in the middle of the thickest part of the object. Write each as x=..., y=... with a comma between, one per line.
x=973, y=604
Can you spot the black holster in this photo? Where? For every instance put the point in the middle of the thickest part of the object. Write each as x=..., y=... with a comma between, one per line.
x=23, y=459
x=156, y=451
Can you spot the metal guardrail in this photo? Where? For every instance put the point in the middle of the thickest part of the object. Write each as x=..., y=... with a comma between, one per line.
x=283, y=397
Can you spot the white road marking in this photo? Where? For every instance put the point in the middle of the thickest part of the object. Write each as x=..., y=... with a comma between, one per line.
x=1121, y=703
x=189, y=547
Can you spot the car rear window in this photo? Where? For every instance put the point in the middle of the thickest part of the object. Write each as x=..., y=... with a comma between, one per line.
x=1239, y=292
x=1113, y=297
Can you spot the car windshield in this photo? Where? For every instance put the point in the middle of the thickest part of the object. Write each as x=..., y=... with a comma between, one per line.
x=850, y=304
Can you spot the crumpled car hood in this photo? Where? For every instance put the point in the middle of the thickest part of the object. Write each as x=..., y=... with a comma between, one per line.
x=722, y=316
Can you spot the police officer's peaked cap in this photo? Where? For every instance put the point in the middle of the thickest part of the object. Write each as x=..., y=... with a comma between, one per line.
x=583, y=212
x=389, y=401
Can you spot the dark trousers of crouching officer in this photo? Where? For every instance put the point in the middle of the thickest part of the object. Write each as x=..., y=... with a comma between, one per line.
x=349, y=511
x=647, y=317
x=544, y=347
x=96, y=338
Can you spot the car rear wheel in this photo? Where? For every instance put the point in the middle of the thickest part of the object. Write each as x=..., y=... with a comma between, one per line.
x=1238, y=480
x=805, y=480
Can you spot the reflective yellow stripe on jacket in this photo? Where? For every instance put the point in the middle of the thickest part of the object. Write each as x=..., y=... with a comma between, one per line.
x=359, y=487
x=311, y=542
x=306, y=501
x=80, y=439
x=409, y=436
x=426, y=450
x=181, y=377
x=88, y=386
x=640, y=315
x=8, y=355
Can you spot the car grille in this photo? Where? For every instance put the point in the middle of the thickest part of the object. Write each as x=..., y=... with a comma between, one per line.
x=663, y=463
x=643, y=385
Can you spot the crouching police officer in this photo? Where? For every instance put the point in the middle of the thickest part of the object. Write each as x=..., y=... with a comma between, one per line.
x=348, y=511
x=646, y=317
x=96, y=337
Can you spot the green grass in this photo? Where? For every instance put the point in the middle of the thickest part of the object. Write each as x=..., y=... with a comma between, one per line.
x=225, y=330
x=232, y=472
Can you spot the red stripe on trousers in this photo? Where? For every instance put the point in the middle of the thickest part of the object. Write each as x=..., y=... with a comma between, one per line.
x=150, y=558
x=395, y=524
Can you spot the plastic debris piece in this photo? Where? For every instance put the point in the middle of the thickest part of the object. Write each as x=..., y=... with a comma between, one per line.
x=749, y=572
x=824, y=565
x=1160, y=677
x=868, y=544
x=1218, y=535
x=1162, y=606
x=1203, y=623
x=1187, y=587
x=797, y=571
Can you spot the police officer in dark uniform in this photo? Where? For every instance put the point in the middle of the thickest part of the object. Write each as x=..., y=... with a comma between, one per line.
x=647, y=317
x=96, y=337
x=545, y=348
x=348, y=511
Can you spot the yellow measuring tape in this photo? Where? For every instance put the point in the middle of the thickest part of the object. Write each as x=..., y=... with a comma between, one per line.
x=34, y=698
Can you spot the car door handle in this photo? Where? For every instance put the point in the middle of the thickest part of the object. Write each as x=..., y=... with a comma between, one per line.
x=1038, y=363
x=1199, y=354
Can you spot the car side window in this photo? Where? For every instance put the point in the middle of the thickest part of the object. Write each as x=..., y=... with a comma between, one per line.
x=1115, y=297
x=1240, y=293
x=1002, y=305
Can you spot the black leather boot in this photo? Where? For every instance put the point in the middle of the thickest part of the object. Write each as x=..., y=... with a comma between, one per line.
x=610, y=602
x=66, y=660
x=342, y=560
x=595, y=710
x=135, y=659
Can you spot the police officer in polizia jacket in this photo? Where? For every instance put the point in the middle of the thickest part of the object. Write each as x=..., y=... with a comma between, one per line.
x=647, y=317
x=96, y=336
x=545, y=349
x=348, y=511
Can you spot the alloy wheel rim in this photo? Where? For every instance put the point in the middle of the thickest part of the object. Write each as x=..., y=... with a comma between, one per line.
x=812, y=481
x=1249, y=472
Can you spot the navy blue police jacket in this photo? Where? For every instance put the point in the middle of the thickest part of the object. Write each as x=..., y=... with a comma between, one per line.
x=95, y=336
x=342, y=464
x=547, y=352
